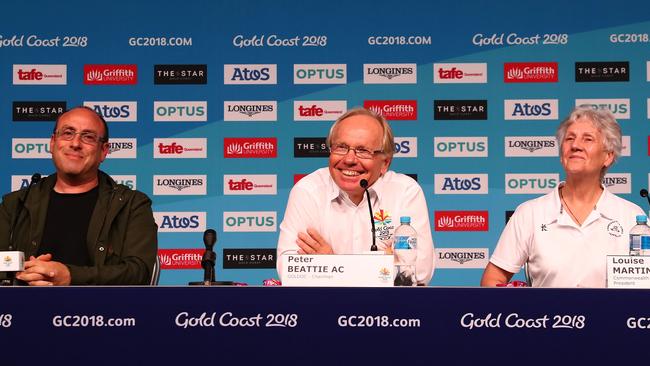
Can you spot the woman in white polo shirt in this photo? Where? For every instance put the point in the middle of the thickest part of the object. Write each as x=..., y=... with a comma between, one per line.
x=565, y=235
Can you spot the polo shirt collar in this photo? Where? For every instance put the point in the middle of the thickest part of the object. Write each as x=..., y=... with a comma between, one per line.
x=335, y=192
x=604, y=206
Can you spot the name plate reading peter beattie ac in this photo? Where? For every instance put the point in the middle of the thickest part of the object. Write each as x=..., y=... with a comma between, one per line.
x=626, y=271
x=339, y=270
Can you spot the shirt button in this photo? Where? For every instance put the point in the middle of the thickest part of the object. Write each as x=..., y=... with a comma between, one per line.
x=101, y=249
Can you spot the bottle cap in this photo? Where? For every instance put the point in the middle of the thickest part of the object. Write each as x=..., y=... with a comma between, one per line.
x=405, y=219
x=641, y=218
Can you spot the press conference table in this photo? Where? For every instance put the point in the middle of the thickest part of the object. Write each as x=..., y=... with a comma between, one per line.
x=323, y=326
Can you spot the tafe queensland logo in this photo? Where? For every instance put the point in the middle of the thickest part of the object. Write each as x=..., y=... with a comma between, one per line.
x=531, y=183
x=461, y=257
x=461, y=183
x=250, y=111
x=248, y=74
x=320, y=74
x=40, y=74
x=249, y=221
x=620, y=107
x=461, y=220
x=390, y=74
x=180, y=222
x=110, y=74
x=250, y=184
x=173, y=185
x=115, y=111
x=250, y=147
x=529, y=146
x=460, y=147
x=530, y=109
x=180, y=258
x=530, y=72
x=394, y=110
x=619, y=183
x=460, y=73
x=318, y=110
x=180, y=148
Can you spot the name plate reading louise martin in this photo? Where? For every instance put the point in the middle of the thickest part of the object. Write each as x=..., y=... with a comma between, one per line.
x=625, y=271
x=339, y=270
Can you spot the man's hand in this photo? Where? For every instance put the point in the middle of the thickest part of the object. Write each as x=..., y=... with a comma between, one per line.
x=43, y=271
x=312, y=242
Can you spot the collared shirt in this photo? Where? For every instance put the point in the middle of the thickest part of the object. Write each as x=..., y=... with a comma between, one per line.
x=561, y=253
x=317, y=202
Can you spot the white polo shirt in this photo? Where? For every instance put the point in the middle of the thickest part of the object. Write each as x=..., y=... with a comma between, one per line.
x=559, y=252
x=317, y=202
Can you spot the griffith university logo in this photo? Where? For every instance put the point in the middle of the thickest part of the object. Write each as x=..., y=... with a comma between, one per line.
x=530, y=72
x=110, y=74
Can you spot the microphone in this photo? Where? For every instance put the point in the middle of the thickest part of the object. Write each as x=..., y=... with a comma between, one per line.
x=209, y=257
x=364, y=184
x=644, y=193
x=36, y=177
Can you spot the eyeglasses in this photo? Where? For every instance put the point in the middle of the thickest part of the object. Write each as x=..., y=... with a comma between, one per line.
x=359, y=152
x=87, y=137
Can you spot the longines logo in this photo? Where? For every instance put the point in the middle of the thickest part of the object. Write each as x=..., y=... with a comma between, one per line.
x=530, y=109
x=248, y=74
x=115, y=111
x=319, y=73
x=528, y=146
x=40, y=74
x=249, y=258
x=602, y=71
x=531, y=183
x=460, y=109
x=250, y=147
x=110, y=74
x=310, y=147
x=181, y=148
x=122, y=148
x=619, y=183
x=619, y=107
x=390, y=73
x=180, y=74
x=461, y=257
x=250, y=111
x=37, y=111
x=460, y=147
x=180, y=185
x=318, y=110
x=530, y=72
x=393, y=110
x=460, y=73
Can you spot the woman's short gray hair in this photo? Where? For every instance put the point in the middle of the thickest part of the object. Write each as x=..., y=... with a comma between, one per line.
x=604, y=122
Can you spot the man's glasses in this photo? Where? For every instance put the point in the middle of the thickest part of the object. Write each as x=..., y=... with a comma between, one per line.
x=360, y=152
x=87, y=137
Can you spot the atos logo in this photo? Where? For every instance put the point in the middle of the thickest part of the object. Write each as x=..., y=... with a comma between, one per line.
x=530, y=72
x=320, y=74
x=620, y=108
x=180, y=222
x=180, y=258
x=249, y=221
x=37, y=148
x=127, y=180
x=531, y=183
x=461, y=220
x=19, y=182
x=309, y=110
x=250, y=184
x=618, y=183
x=461, y=183
x=250, y=74
x=122, y=148
x=180, y=148
x=40, y=74
x=394, y=110
x=530, y=109
x=115, y=111
x=460, y=73
x=460, y=147
x=110, y=74
x=406, y=147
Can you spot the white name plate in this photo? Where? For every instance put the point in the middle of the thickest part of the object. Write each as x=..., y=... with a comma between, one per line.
x=12, y=261
x=342, y=270
x=626, y=271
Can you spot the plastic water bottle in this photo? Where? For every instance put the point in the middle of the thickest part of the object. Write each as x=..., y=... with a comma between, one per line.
x=645, y=245
x=639, y=230
x=405, y=253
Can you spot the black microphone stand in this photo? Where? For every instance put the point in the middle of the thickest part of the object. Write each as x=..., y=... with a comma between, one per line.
x=364, y=184
x=208, y=262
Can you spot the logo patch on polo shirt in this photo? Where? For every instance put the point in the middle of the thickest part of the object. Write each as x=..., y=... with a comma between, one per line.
x=383, y=226
x=614, y=228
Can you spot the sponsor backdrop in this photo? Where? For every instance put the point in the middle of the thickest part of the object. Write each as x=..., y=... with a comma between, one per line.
x=217, y=108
